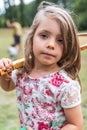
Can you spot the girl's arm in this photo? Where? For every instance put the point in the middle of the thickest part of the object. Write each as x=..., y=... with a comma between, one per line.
x=74, y=118
x=6, y=82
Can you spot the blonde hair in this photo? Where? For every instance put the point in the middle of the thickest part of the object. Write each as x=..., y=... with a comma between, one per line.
x=71, y=59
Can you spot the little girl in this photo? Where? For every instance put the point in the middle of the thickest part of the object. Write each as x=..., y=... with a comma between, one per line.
x=48, y=88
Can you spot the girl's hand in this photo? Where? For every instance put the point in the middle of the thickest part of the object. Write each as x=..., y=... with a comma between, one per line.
x=6, y=65
x=29, y=128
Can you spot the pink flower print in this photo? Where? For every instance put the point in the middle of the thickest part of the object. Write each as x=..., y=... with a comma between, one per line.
x=26, y=114
x=18, y=82
x=19, y=98
x=36, y=87
x=27, y=90
x=48, y=92
x=43, y=126
x=36, y=80
x=33, y=115
x=24, y=79
x=50, y=107
x=32, y=125
x=66, y=81
x=57, y=96
x=57, y=80
x=21, y=118
x=65, y=123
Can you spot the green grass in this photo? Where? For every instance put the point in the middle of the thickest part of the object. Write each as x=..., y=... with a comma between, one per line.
x=9, y=119
x=6, y=39
x=8, y=111
x=83, y=77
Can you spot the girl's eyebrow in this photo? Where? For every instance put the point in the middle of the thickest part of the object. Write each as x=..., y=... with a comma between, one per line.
x=46, y=31
x=43, y=30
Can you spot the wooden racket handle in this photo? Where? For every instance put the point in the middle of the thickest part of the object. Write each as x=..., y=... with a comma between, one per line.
x=82, y=34
x=83, y=47
x=20, y=62
x=16, y=64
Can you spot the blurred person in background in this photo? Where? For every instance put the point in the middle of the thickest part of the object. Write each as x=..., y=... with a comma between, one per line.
x=15, y=47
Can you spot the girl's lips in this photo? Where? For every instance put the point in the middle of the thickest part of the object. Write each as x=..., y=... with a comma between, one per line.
x=48, y=54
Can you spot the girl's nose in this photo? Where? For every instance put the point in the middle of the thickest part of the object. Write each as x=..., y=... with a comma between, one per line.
x=51, y=45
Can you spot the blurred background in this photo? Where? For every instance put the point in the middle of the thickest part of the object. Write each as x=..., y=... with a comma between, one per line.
x=24, y=11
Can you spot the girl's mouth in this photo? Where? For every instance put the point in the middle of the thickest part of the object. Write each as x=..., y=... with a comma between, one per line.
x=48, y=54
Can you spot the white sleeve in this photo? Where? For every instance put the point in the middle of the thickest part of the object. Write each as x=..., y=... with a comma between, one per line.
x=14, y=76
x=71, y=96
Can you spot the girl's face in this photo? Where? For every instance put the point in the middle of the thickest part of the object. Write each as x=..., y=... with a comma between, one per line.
x=47, y=42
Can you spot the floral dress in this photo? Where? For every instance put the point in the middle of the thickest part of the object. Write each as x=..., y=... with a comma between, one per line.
x=41, y=101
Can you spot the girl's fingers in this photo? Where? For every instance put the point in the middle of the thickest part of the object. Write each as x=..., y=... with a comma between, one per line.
x=29, y=128
x=5, y=64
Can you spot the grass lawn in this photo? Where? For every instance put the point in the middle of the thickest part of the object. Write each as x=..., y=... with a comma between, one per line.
x=9, y=119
